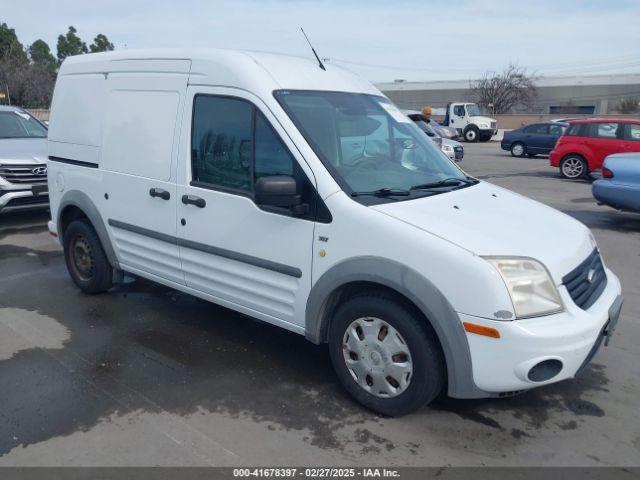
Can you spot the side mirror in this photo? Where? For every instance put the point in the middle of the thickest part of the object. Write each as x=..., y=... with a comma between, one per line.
x=280, y=191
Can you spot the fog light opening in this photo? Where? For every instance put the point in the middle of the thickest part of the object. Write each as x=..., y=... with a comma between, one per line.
x=545, y=370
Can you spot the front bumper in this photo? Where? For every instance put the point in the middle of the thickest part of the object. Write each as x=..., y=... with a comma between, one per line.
x=24, y=198
x=570, y=337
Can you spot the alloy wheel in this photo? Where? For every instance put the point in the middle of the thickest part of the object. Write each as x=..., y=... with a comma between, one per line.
x=573, y=167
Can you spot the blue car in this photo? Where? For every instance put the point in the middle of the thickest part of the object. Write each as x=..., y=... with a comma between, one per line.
x=533, y=139
x=619, y=186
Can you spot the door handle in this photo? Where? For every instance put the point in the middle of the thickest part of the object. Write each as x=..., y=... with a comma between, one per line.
x=160, y=193
x=193, y=200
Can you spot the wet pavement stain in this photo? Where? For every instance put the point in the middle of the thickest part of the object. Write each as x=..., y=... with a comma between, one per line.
x=15, y=251
x=144, y=341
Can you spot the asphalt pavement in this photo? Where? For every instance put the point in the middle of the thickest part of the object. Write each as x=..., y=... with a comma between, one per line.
x=145, y=375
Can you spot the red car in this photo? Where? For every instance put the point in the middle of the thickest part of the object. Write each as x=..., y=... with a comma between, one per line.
x=586, y=144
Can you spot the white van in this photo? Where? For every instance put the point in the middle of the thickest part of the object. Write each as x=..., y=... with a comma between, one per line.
x=303, y=197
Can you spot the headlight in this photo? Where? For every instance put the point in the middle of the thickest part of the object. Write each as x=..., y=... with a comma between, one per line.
x=483, y=125
x=530, y=286
x=447, y=148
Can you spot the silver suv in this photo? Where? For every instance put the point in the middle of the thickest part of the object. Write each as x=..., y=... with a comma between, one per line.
x=23, y=157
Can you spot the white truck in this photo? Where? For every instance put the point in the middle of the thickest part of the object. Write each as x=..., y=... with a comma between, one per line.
x=471, y=125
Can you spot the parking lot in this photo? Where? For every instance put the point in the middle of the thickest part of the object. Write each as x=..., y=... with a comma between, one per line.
x=145, y=375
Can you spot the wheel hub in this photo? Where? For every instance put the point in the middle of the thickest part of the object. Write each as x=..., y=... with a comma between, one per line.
x=82, y=257
x=377, y=357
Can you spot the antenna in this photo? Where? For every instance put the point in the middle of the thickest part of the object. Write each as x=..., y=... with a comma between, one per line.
x=313, y=50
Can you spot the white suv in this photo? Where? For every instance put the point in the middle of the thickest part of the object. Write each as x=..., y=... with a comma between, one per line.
x=303, y=197
x=23, y=157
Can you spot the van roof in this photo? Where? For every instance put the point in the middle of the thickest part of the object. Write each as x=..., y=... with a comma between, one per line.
x=253, y=71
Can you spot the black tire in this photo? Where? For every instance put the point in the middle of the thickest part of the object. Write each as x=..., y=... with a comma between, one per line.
x=428, y=367
x=86, y=261
x=471, y=134
x=518, y=149
x=574, y=167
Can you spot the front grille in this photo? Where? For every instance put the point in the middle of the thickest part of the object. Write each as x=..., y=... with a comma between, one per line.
x=23, y=201
x=587, y=281
x=459, y=152
x=494, y=125
x=20, y=174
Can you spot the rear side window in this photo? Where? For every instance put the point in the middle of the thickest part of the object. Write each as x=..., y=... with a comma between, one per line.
x=574, y=130
x=632, y=132
x=540, y=129
x=603, y=130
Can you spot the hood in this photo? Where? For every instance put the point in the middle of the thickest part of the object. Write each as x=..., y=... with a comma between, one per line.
x=479, y=119
x=23, y=149
x=451, y=143
x=488, y=220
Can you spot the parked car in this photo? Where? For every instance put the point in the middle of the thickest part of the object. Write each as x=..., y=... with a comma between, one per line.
x=224, y=175
x=452, y=149
x=442, y=130
x=586, y=143
x=619, y=186
x=23, y=156
x=469, y=122
x=534, y=139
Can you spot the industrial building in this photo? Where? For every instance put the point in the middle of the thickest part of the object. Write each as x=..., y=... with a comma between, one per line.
x=594, y=94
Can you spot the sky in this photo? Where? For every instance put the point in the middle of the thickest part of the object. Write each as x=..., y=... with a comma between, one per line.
x=416, y=40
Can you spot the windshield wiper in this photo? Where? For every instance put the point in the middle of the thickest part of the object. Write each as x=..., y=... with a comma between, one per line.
x=384, y=192
x=447, y=182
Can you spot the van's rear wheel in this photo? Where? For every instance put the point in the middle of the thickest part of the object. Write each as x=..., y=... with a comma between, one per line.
x=86, y=261
x=384, y=354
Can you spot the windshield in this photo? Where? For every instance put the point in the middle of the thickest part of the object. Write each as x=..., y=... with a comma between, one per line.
x=367, y=144
x=17, y=124
x=426, y=128
x=473, y=110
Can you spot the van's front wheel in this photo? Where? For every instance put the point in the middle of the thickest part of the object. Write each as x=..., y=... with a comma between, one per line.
x=86, y=260
x=385, y=355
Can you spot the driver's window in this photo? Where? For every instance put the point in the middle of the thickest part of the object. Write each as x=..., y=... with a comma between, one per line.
x=459, y=110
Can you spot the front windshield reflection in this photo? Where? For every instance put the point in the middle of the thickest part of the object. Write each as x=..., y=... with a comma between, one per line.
x=366, y=142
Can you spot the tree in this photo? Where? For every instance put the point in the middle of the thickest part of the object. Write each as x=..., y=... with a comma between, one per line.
x=41, y=56
x=101, y=44
x=70, y=44
x=629, y=105
x=500, y=92
x=10, y=47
